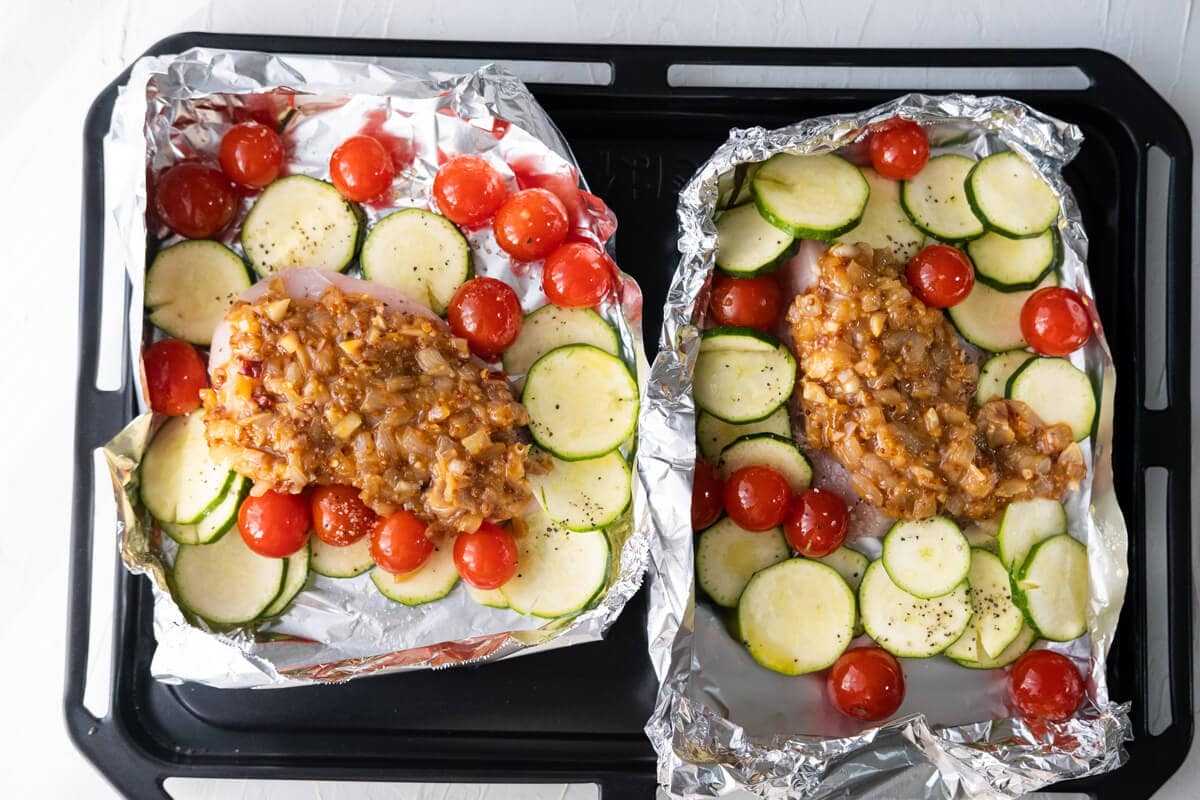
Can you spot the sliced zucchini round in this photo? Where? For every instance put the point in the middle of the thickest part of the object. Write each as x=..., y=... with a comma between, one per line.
x=1057, y=391
x=1015, y=650
x=997, y=619
x=936, y=200
x=180, y=480
x=492, y=598
x=558, y=572
x=582, y=402
x=742, y=377
x=1052, y=588
x=549, y=327
x=1024, y=524
x=190, y=286
x=851, y=565
x=727, y=556
x=226, y=583
x=991, y=320
x=810, y=196
x=419, y=253
x=217, y=522
x=585, y=495
x=926, y=558
x=748, y=245
x=714, y=435
x=995, y=372
x=884, y=223
x=294, y=578
x=796, y=617
x=300, y=221
x=966, y=646
x=910, y=626
x=349, y=561
x=779, y=453
x=433, y=580
x=1010, y=196
x=1013, y=265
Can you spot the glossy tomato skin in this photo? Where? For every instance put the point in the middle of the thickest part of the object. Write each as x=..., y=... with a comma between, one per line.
x=361, y=169
x=251, y=154
x=175, y=374
x=940, y=276
x=577, y=275
x=707, y=495
x=1046, y=685
x=757, y=498
x=339, y=516
x=194, y=200
x=899, y=149
x=399, y=543
x=274, y=524
x=1055, y=321
x=817, y=523
x=867, y=683
x=468, y=191
x=749, y=302
x=531, y=224
x=487, y=558
x=487, y=313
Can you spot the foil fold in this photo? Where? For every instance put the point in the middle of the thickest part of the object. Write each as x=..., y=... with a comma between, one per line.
x=722, y=726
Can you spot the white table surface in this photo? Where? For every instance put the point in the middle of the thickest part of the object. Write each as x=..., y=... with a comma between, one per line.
x=58, y=54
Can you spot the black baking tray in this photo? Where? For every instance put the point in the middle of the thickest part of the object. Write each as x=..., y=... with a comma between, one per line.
x=576, y=715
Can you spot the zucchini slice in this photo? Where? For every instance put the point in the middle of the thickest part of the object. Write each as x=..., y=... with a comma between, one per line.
x=419, y=253
x=714, y=435
x=349, y=561
x=851, y=565
x=1010, y=197
x=549, y=327
x=1053, y=588
x=966, y=646
x=433, y=580
x=1012, y=265
x=294, y=578
x=884, y=223
x=926, y=558
x=226, y=583
x=995, y=372
x=997, y=619
x=180, y=480
x=1024, y=524
x=748, y=245
x=300, y=221
x=742, y=377
x=1015, y=650
x=558, y=572
x=1057, y=391
x=727, y=556
x=810, y=196
x=191, y=285
x=777, y=452
x=936, y=200
x=217, y=522
x=797, y=616
x=582, y=402
x=990, y=319
x=586, y=495
x=906, y=625
x=492, y=598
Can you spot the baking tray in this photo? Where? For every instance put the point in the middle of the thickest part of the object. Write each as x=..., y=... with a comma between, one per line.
x=576, y=715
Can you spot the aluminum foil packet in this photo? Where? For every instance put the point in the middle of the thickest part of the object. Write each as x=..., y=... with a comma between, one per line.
x=175, y=107
x=723, y=726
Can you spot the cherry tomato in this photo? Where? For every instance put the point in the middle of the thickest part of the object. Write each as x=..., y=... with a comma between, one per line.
x=750, y=302
x=274, y=524
x=194, y=200
x=1046, y=685
x=899, y=149
x=757, y=498
x=867, y=683
x=175, y=374
x=577, y=275
x=940, y=276
x=487, y=558
x=399, y=544
x=339, y=516
x=817, y=523
x=251, y=154
x=531, y=224
x=707, y=489
x=1055, y=321
x=361, y=169
x=468, y=190
x=487, y=313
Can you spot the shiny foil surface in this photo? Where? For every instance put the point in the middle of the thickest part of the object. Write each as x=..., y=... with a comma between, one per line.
x=724, y=726
x=176, y=107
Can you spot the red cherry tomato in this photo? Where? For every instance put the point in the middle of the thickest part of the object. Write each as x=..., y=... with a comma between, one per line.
x=940, y=276
x=757, y=498
x=194, y=200
x=707, y=489
x=817, y=523
x=487, y=558
x=1046, y=685
x=468, y=190
x=1055, y=321
x=274, y=524
x=531, y=224
x=361, y=169
x=339, y=516
x=867, y=683
x=750, y=302
x=175, y=374
x=577, y=275
x=251, y=154
x=399, y=544
x=487, y=313
x=899, y=149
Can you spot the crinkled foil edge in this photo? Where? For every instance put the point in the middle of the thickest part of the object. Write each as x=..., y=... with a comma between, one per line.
x=702, y=754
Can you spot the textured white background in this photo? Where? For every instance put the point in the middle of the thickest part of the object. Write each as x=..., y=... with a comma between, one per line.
x=57, y=55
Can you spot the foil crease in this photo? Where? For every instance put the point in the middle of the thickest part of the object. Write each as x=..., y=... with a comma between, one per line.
x=173, y=107
x=723, y=726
